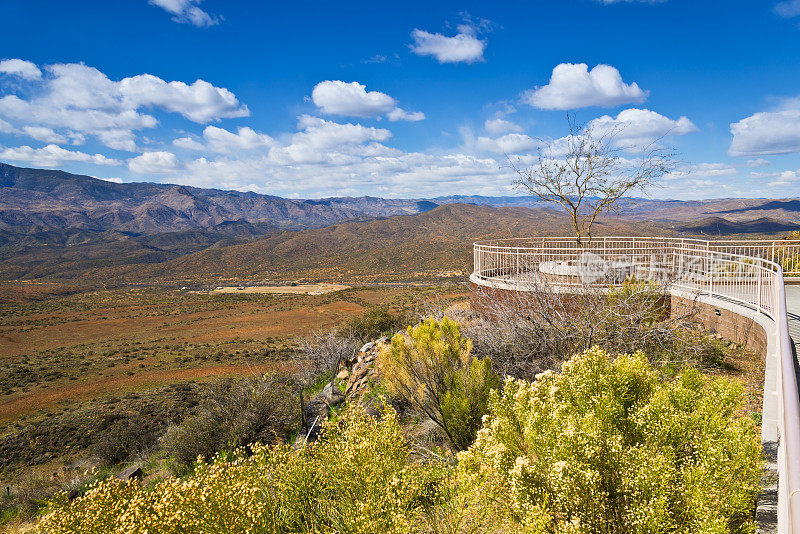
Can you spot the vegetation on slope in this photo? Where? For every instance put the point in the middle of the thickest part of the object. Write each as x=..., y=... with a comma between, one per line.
x=431, y=245
x=606, y=445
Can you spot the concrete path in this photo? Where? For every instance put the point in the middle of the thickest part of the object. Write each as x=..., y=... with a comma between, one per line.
x=767, y=510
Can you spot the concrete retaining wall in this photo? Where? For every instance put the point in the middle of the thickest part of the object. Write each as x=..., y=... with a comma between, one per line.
x=729, y=323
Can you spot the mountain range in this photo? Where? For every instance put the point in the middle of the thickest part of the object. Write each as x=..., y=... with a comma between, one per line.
x=57, y=225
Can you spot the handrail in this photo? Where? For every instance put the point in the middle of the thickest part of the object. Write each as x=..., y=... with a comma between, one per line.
x=748, y=273
x=790, y=436
x=785, y=252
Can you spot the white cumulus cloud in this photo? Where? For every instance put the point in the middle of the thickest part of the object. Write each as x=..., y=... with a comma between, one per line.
x=501, y=126
x=75, y=100
x=635, y=128
x=573, y=86
x=158, y=162
x=759, y=162
x=701, y=170
x=326, y=158
x=23, y=69
x=199, y=102
x=784, y=178
x=399, y=114
x=44, y=134
x=220, y=140
x=768, y=133
x=335, y=97
x=187, y=12
x=326, y=141
x=512, y=143
x=53, y=156
x=464, y=47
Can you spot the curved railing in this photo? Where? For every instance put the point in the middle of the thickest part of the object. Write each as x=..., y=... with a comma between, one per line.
x=747, y=273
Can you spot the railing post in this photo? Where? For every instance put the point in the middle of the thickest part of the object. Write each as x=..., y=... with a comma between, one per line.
x=758, y=300
x=710, y=273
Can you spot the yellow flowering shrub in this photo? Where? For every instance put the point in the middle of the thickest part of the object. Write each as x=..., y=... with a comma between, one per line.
x=358, y=480
x=606, y=446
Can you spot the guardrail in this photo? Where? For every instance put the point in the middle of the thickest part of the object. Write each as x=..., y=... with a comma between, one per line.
x=785, y=253
x=747, y=273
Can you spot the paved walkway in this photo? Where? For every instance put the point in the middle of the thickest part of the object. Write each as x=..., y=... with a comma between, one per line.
x=793, y=312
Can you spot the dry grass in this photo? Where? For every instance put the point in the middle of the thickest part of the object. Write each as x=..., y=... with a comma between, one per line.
x=89, y=344
x=62, y=349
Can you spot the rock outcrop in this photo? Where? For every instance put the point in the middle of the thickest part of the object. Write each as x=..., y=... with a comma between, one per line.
x=359, y=373
x=363, y=369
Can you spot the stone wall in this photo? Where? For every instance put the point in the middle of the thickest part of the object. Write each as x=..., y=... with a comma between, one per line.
x=730, y=325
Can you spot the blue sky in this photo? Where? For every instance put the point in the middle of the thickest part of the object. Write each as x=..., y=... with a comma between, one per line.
x=412, y=99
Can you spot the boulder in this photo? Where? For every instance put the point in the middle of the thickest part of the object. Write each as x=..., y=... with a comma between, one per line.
x=331, y=395
x=317, y=408
x=364, y=369
x=130, y=473
x=373, y=411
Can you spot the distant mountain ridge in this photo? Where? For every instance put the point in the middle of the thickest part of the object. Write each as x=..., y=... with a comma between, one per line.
x=52, y=207
x=56, y=225
x=424, y=246
x=34, y=202
x=719, y=226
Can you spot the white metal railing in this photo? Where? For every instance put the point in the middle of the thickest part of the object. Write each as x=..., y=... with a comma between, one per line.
x=785, y=253
x=750, y=273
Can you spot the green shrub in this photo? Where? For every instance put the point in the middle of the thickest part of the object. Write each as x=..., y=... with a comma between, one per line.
x=789, y=262
x=235, y=413
x=606, y=446
x=127, y=438
x=358, y=480
x=431, y=367
x=377, y=321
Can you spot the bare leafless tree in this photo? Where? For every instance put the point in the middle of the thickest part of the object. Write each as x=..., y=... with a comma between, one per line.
x=586, y=174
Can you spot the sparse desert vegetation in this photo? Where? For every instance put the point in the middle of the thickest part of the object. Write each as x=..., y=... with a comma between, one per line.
x=93, y=379
x=603, y=443
x=236, y=402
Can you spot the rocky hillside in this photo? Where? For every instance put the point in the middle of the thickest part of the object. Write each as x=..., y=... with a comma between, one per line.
x=56, y=225
x=55, y=207
x=426, y=246
x=720, y=226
